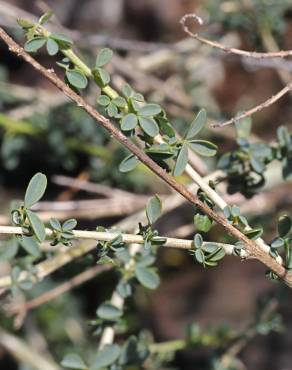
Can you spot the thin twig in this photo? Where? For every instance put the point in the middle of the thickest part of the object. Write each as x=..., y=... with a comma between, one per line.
x=217, y=45
x=252, y=248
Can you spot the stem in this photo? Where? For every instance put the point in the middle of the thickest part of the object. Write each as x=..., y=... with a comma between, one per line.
x=252, y=248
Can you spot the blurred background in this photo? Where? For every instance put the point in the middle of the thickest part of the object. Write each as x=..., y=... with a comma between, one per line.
x=40, y=130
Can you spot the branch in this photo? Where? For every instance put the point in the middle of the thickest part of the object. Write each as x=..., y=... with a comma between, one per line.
x=251, y=247
x=217, y=45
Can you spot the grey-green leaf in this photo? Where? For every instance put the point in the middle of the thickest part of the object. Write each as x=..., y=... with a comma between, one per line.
x=149, y=110
x=129, y=122
x=52, y=47
x=35, y=190
x=203, y=147
x=35, y=44
x=76, y=79
x=69, y=224
x=103, y=57
x=30, y=245
x=128, y=164
x=147, y=277
x=56, y=225
x=182, y=160
x=37, y=225
x=153, y=209
x=73, y=361
x=149, y=126
x=107, y=311
x=197, y=124
x=106, y=357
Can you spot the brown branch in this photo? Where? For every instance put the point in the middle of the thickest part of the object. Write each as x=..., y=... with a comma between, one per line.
x=252, y=248
x=273, y=99
x=226, y=49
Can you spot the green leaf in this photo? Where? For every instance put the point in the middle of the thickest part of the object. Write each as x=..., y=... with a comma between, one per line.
x=106, y=357
x=69, y=224
x=128, y=164
x=107, y=311
x=56, y=225
x=254, y=233
x=45, y=17
x=76, y=79
x=52, y=47
x=202, y=222
x=37, y=225
x=120, y=102
x=127, y=90
x=129, y=122
x=149, y=126
x=24, y=23
x=149, y=110
x=103, y=100
x=198, y=240
x=203, y=147
x=199, y=255
x=35, y=190
x=35, y=44
x=30, y=245
x=277, y=243
x=63, y=40
x=257, y=165
x=153, y=209
x=181, y=161
x=102, y=76
x=103, y=57
x=10, y=250
x=73, y=361
x=147, y=277
x=197, y=124
x=284, y=225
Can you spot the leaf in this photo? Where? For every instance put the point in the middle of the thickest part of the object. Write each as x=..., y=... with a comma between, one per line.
x=197, y=124
x=73, y=361
x=284, y=225
x=198, y=240
x=37, y=225
x=103, y=100
x=129, y=122
x=203, y=147
x=277, y=243
x=103, y=57
x=10, y=250
x=107, y=311
x=30, y=245
x=52, y=47
x=153, y=209
x=24, y=23
x=102, y=76
x=69, y=224
x=149, y=110
x=127, y=90
x=149, y=126
x=257, y=165
x=199, y=255
x=128, y=164
x=147, y=277
x=106, y=357
x=63, y=40
x=120, y=102
x=202, y=222
x=56, y=225
x=254, y=233
x=35, y=44
x=45, y=17
x=181, y=161
x=76, y=79
x=35, y=189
